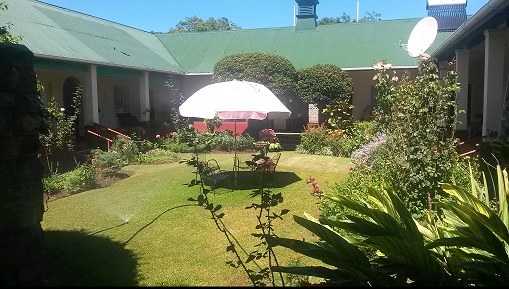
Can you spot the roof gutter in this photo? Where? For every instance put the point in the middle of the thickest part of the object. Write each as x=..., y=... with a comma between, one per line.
x=52, y=57
x=478, y=19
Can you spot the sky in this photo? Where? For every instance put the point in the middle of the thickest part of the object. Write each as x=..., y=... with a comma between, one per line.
x=162, y=15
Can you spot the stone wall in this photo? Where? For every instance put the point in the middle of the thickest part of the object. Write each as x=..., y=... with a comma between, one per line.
x=21, y=203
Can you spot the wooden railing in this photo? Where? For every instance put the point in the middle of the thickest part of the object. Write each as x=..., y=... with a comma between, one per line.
x=470, y=141
x=98, y=135
x=127, y=138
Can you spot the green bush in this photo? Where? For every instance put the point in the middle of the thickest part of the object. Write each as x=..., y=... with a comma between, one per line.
x=323, y=141
x=174, y=146
x=418, y=116
x=110, y=160
x=129, y=150
x=78, y=180
x=465, y=247
x=52, y=184
x=275, y=72
x=324, y=84
x=225, y=141
x=355, y=187
x=313, y=139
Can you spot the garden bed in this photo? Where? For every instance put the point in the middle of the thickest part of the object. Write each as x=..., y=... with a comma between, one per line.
x=103, y=177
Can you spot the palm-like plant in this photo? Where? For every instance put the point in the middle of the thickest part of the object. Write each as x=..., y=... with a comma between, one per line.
x=469, y=246
x=387, y=227
x=479, y=237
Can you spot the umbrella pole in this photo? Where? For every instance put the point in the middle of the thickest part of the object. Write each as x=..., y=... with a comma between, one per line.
x=235, y=159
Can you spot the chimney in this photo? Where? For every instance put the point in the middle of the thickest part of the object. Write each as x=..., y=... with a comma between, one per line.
x=306, y=19
x=450, y=14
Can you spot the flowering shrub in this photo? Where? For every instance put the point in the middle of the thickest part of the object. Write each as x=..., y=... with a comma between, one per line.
x=363, y=158
x=418, y=116
x=266, y=165
x=323, y=141
x=267, y=134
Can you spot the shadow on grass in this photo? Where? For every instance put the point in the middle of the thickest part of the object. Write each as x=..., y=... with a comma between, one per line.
x=91, y=252
x=247, y=180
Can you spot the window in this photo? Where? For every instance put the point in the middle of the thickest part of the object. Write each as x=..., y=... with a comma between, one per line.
x=120, y=94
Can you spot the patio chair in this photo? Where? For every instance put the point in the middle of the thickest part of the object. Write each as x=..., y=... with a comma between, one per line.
x=211, y=174
x=241, y=165
x=275, y=159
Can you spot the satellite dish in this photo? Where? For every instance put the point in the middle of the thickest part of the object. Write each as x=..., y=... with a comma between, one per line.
x=422, y=36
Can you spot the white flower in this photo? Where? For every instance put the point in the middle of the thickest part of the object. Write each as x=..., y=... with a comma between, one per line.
x=395, y=78
x=62, y=109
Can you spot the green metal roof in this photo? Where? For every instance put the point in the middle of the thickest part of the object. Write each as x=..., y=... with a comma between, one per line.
x=64, y=34
x=56, y=33
x=348, y=45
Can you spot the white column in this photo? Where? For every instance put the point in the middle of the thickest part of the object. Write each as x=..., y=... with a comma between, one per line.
x=144, y=97
x=495, y=40
x=443, y=68
x=462, y=64
x=91, y=102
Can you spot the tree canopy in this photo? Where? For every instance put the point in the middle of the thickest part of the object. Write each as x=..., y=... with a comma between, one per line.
x=275, y=72
x=195, y=24
x=324, y=84
x=373, y=16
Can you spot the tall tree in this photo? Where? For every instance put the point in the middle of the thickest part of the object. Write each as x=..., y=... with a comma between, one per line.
x=345, y=18
x=373, y=16
x=195, y=24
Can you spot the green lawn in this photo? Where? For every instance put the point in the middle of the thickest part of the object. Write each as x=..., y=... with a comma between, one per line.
x=182, y=247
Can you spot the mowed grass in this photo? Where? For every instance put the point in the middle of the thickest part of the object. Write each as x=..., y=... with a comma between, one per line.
x=179, y=247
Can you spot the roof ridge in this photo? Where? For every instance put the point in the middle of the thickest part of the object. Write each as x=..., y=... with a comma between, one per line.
x=96, y=17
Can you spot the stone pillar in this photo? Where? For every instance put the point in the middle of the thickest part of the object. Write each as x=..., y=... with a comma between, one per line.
x=21, y=203
x=462, y=64
x=495, y=40
x=144, y=98
x=91, y=101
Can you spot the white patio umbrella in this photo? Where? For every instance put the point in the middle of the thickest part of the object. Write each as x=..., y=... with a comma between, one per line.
x=234, y=100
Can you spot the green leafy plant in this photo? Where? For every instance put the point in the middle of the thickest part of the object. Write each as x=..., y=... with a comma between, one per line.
x=212, y=124
x=111, y=160
x=60, y=134
x=324, y=84
x=275, y=72
x=418, y=116
x=175, y=100
x=5, y=35
x=479, y=237
x=340, y=114
x=468, y=246
x=80, y=179
x=388, y=228
x=336, y=142
x=127, y=150
x=296, y=280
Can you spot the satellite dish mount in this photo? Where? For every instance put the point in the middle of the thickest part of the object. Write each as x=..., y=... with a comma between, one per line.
x=422, y=37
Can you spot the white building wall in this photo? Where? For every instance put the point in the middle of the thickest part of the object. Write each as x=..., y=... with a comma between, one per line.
x=53, y=82
x=362, y=87
x=105, y=89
